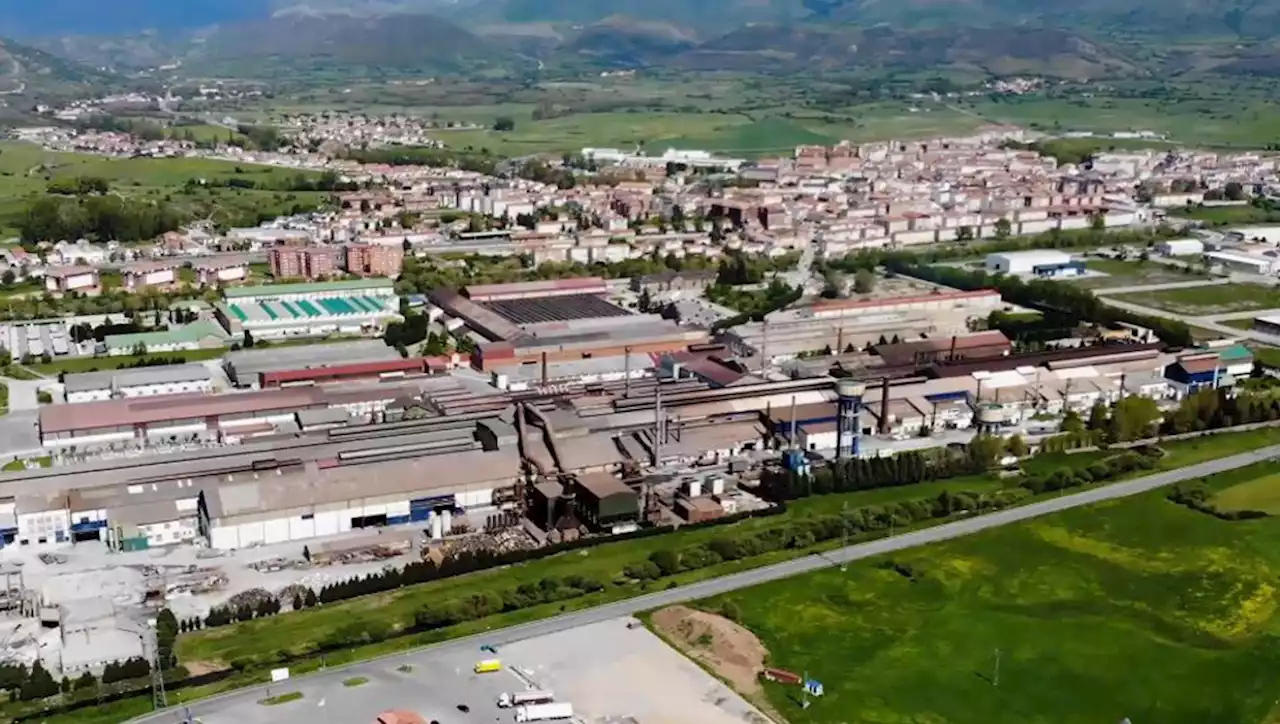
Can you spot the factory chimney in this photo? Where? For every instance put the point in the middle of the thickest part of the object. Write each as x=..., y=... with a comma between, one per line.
x=658, y=431
x=626, y=381
x=792, y=438
x=544, y=369
x=884, y=406
x=951, y=355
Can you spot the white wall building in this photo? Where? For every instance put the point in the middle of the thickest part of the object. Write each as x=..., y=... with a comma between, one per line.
x=1180, y=247
x=139, y=382
x=1026, y=262
x=1246, y=263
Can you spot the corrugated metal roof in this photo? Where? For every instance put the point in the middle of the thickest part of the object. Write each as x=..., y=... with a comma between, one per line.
x=275, y=290
x=135, y=377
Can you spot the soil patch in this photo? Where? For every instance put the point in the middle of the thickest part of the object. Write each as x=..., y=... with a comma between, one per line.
x=199, y=668
x=729, y=650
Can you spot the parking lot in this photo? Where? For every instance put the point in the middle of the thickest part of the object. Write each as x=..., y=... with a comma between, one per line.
x=610, y=673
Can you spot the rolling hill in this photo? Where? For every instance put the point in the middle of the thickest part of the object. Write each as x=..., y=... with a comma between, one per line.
x=306, y=40
x=259, y=38
x=26, y=71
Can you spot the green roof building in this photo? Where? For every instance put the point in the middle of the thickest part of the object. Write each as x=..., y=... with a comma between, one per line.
x=202, y=334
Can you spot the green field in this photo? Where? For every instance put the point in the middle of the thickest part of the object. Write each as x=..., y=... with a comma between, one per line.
x=1201, y=301
x=747, y=133
x=1139, y=608
x=26, y=169
x=1202, y=118
x=1130, y=273
x=1227, y=215
x=1261, y=493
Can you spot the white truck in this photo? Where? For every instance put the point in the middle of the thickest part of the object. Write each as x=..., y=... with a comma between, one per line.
x=545, y=712
x=525, y=698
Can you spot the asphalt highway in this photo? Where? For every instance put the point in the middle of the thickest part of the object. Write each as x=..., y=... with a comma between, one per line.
x=736, y=581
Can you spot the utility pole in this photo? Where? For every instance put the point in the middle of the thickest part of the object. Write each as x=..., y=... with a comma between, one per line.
x=844, y=532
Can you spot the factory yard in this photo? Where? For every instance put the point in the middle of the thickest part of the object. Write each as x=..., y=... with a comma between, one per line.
x=610, y=672
x=104, y=598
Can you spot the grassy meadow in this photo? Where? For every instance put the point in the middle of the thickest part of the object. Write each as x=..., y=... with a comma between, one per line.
x=1138, y=608
x=26, y=170
x=1200, y=301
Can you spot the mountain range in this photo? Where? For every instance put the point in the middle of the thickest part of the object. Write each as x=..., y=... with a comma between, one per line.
x=258, y=38
x=1250, y=18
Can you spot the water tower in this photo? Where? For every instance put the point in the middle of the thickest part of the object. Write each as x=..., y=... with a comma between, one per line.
x=848, y=428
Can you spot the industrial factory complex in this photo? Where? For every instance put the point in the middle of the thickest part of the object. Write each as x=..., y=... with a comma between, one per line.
x=571, y=414
x=401, y=440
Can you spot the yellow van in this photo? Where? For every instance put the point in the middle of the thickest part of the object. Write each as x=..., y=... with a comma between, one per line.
x=488, y=666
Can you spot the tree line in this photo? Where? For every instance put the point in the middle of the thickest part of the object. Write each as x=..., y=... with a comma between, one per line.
x=98, y=218
x=1043, y=294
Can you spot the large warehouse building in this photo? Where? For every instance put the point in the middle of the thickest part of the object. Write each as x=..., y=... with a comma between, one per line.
x=302, y=503
x=842, y=324
x=257, y=368
x=200, y=416
x=563, y=321
x=278, y=311
x=1040, y=263
x=137, y=382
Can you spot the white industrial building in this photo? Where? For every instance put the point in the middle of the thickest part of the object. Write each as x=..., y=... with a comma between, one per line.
x=276, y=507
x=1045, y=262
x=137, y=382
x=1247, y=263
x=1180, y=247
x=150, y=274
x=277, y=311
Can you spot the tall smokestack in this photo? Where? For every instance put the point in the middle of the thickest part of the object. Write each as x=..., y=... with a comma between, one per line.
x=792, y=439
x=626, y=381
x=544, y=369
x=951, y=355
x=884, y=406
x=658, y=432
x=764, y=346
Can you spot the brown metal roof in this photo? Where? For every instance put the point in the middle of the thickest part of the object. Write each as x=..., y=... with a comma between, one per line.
x=603, y=485
x=151, y=410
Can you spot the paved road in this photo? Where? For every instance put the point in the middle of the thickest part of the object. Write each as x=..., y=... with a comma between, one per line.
x=745, y=579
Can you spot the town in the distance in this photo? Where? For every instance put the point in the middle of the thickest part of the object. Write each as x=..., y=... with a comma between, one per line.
x=556, y=418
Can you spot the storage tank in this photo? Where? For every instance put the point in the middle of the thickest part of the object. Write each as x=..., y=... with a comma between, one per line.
x=990, y=417
x=437, y=527
x=446, y=521
x=717, y=485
